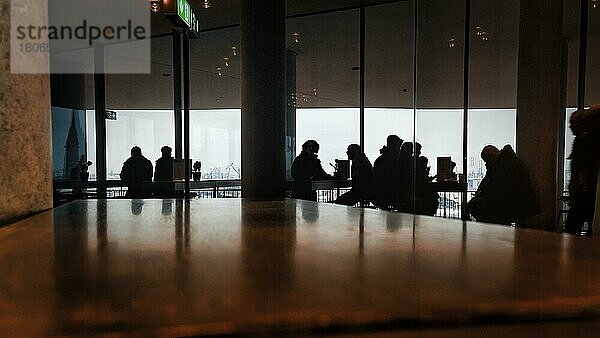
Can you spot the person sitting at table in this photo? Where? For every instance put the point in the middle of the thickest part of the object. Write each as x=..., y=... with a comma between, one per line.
x=164, y=173
x=387, y=174
x=362, y=177
x=426, y=199
x=136, y=170
x=504, y=195
x=305, y=169
x=407, y=184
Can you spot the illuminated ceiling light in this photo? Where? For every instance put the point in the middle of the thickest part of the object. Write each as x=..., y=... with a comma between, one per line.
x=219, y=72
x=206, y=3
x=479, y=30
x=485, y=36
x=296, y=37
x=595, y=3
x=304, y=98
x=452, y=43
x=234, y=50
x=226, y=62
x=315, y=91
x=155, y=5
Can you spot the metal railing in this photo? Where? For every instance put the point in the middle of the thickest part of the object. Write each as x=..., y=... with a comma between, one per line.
x=450, y=193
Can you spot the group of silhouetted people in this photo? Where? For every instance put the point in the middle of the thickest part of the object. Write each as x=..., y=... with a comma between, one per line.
x=397, y=181
x=137, y=170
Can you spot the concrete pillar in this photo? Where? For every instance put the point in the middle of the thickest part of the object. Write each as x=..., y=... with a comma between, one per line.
x=263, y=98
x=25, y=136
x=539, y=102
x=290, y=114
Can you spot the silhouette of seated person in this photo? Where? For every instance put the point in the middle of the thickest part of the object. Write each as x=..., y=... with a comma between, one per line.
x=504, y=195
x=305, y=169
x=362, y=177
x=387, y=175
x=426, y=199
x=163, y=172
x=136, y=170
x=585, y=163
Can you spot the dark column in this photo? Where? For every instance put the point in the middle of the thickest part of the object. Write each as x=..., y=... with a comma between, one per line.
x=263, y=98
x=100, y=107
x=290, y=117
x=186, y=111
x=25, y=132
x=177, y=94
x=539, y=102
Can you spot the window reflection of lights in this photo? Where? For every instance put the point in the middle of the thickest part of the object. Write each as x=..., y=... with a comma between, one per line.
x=206, y=3
x=219, y=72
x=304, y=98
x=479, y=30
x=296, y=37
x=155, y=5
x=234, y=50
x=315, y=91
x=226, y=62
x=485, y=36
x=452, y=43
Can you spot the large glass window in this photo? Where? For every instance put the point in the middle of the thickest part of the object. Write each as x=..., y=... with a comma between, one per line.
x=68, y=142
x=389, y=74
x=333, y=128
x=327, y=81
x=215, y=142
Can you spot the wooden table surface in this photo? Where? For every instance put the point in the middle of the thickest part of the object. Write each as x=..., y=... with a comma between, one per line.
x=215, y=266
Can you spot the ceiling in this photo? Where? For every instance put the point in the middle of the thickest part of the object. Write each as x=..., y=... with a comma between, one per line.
x=329, y=49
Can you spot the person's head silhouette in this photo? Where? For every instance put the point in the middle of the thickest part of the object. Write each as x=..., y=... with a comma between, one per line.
x=407, y=149
x=311, y=147
x=353, y=151
x=166, y=151
x=394, y=142
x=489, y=154
x=136, y=151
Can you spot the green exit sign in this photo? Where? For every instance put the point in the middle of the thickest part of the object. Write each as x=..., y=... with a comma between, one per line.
x=186, y=14
x=184, y=11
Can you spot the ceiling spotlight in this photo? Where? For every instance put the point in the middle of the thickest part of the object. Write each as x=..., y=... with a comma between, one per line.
x=485, y=36
x=479, y=30
x=155, y=5
x=206, y=3
x=219, y=73
x=304, y=98
x=296, y=37
x=234, y=51
x=226, y=62
x=315, y=91
x=452, y=43
x=595, y=3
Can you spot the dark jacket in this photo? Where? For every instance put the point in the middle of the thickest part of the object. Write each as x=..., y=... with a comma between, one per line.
x=164, y=169
x=305, y=169
x=387, y=179
x=136, y=170
x=362, y=177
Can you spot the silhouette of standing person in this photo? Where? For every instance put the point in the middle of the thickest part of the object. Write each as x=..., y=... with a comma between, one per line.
x=83, y=165
x=305, y=169
x=163, y=172
x=585, y=163
x=136, y=170
x=362, y=177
